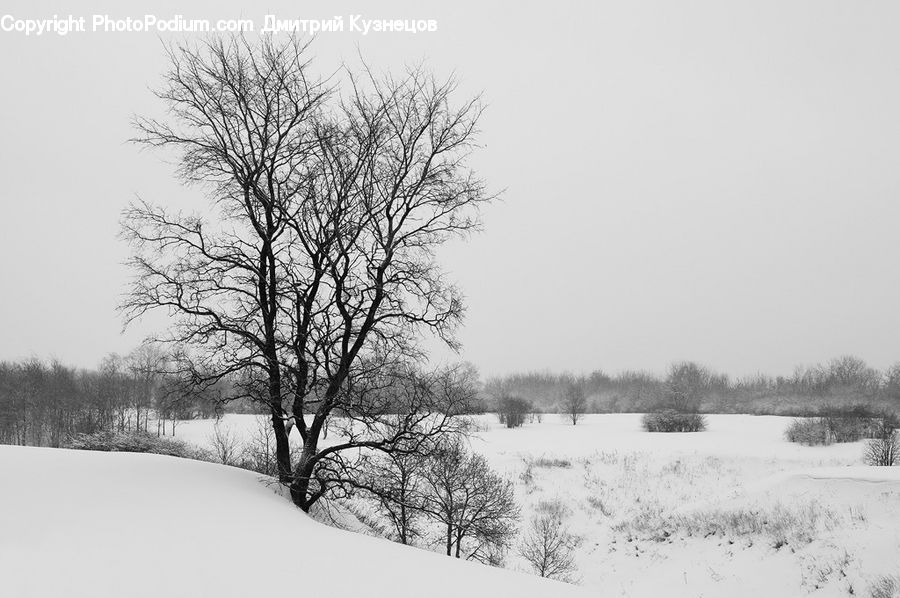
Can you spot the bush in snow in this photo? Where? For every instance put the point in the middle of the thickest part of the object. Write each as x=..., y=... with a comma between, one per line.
x=885, y=586
x=226, y=446
x=512, y=411
x=137, y=442
x=811, y=432
x=669, y=420
x=779, y=525
x=258, y=452
x=554, y=507
x=849, y=424
x=552, y=462
x=841, y=425
x=884, y=449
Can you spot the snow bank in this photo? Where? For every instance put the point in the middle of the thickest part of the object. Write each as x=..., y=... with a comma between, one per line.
x=850, y=485
x=107, y=525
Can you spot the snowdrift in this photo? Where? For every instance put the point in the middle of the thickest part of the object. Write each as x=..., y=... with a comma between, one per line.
x=109, y=525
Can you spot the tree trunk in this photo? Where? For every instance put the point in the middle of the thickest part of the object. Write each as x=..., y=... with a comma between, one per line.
x=303, y=474
x=403, y=524
x=282, y=447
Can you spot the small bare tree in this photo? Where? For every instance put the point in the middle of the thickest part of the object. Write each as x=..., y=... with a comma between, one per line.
x=258, y=451
x=395, y=481
x=226, y=445
x=574, y=401
x=549, y=547
x=145, y=364
x=474, y=505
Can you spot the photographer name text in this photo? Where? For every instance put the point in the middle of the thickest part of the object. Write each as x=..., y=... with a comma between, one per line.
x=271, y=24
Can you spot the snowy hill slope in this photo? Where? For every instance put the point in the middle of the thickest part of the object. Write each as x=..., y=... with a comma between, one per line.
x=104, y=525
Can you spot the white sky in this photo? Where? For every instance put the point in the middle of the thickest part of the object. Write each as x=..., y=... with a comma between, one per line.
x=711, y=180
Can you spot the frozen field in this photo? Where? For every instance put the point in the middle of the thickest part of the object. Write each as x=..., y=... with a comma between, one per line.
x=733, y=511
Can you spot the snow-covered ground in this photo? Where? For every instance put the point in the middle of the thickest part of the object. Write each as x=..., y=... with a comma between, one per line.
x=110, y=525
x=733, y=511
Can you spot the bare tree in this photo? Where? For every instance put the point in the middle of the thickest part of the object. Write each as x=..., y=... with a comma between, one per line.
x=318, y=272
x=144, y=365
x=114, y=391
x=474, y=505
x=884, y=448
x=574, y=401
x=243, y=125
x=395, y=186
x=179, y=396
x=851, y=373
x=258, y=451
x=685, y=387
x=226, y=444
x=394, y=475
x=892, y=384
x=402, y=412
x=395, y=481
x=549, y=547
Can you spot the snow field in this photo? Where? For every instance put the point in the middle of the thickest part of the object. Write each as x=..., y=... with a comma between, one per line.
x=735, y=510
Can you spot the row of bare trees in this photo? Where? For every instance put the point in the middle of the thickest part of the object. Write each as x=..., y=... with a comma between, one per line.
x=43, y=404
x=683, y=390
x=451, y=489
x=808, y=391
x=451, y=499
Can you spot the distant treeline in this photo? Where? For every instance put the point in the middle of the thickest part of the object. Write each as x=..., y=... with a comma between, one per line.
x=841, y=383
x=44, y=404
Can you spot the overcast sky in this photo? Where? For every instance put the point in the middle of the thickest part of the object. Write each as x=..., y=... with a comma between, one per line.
x=715, y=181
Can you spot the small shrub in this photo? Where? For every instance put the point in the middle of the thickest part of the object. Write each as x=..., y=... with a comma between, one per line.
x=606, y=457
x=811, y=432
x=259, y=452
x=884, y=449
x=513, y=410
x=555, y=508
x=474, y=425
x=849, y=428
x=885, y=586
x=670, y=420
x=849, y=424
x=835, y=425
x=136, y=442
x=779, y=524
x=552, y=462
x=597, y=504
x=527, y=475
x=226, y=445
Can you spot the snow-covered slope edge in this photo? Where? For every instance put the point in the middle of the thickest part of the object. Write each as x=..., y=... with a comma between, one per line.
x=106, y=525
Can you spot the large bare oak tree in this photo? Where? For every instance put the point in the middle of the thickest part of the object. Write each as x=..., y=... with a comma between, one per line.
x=312, y=275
